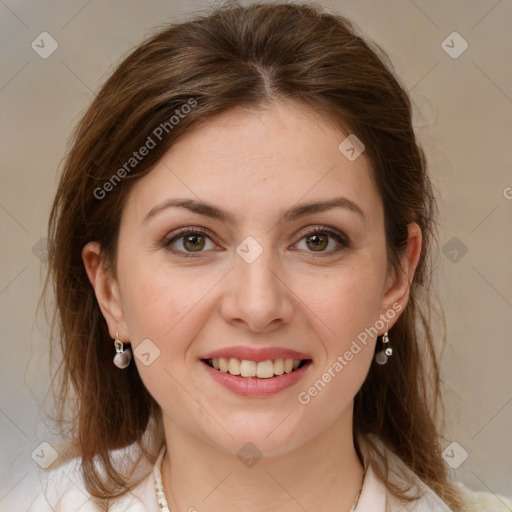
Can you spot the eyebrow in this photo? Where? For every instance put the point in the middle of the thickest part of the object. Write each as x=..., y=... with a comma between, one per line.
x=292, y=214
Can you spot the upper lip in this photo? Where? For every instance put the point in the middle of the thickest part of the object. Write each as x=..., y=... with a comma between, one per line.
x=256, y=354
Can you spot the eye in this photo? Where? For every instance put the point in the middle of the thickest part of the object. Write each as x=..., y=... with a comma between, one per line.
x=318, y=239
x=189, y=241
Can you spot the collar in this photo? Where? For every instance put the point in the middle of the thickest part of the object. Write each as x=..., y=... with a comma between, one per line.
x=374, y=495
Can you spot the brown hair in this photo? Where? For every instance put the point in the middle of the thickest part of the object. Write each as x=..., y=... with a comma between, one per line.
x=227, y=57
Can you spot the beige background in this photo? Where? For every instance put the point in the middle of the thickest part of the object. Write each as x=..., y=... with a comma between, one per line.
x=464, y=119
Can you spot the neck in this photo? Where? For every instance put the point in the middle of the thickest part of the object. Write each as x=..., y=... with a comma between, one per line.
x=323, y=474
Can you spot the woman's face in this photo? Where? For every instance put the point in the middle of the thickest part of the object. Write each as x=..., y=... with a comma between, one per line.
x=255, y=277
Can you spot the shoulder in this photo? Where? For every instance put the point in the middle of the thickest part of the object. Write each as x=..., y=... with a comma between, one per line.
x=378, y=498
x=479, y=501
x=63, y=490
x=474, y=501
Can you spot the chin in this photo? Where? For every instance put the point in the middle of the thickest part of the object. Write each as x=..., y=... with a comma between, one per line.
x=267, y=436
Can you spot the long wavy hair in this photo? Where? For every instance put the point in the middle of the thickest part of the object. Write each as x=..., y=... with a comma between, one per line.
x=226, y=57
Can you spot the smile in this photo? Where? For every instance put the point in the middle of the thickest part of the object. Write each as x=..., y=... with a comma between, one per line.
x=256, y=378
x=258, y=369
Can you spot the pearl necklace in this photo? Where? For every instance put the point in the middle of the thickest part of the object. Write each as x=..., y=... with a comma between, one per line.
x=159, y=488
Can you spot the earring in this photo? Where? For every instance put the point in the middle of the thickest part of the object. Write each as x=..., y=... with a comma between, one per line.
x=382, y=356
x=123, y=356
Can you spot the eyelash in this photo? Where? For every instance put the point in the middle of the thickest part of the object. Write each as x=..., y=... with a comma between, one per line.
x=338, y=236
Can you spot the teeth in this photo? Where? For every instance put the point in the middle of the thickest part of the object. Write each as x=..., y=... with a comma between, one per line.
x=234, y=367
x=223, y=364
x=262, y=369
x=248, y=368
x=265, y=369
x=279, y=367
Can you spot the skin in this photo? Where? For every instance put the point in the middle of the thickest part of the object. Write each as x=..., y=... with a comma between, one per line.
x=256, y=165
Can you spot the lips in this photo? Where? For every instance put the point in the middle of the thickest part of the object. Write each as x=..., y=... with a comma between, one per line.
x=255, y=386
x=256, y=372
x=256, y=354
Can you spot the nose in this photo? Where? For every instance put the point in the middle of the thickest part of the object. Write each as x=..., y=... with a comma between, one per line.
x=257, y=295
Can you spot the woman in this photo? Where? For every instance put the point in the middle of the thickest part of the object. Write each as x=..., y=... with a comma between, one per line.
x=242, y=244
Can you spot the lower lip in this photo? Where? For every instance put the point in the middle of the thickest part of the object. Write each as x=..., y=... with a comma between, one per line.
x=254, y=386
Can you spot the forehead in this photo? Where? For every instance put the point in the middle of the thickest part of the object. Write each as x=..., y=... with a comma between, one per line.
x=246, y=158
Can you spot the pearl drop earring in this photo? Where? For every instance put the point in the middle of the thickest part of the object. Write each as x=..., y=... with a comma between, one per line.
x=123, y=355
x=382, y=356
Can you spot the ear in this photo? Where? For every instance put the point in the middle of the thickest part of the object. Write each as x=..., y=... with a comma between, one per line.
x=398, y=284
x=106, y=289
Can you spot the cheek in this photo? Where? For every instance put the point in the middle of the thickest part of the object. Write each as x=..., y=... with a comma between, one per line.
x=163, y=309
x=344, y=302
x=156, y=299
x=348, y=350
x=345, y=309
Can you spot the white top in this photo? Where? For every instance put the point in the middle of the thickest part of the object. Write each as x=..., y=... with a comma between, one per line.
x=65, y=491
